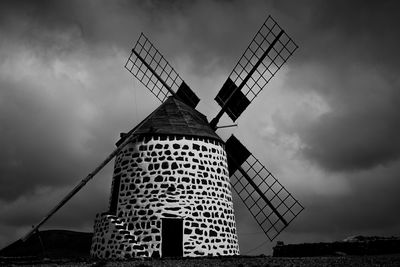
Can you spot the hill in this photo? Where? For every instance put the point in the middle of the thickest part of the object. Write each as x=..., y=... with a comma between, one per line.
x=356, y=245
x=51, y=244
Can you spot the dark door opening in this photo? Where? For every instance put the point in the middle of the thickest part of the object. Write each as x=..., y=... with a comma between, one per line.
x=114, y=195
x=172, y=237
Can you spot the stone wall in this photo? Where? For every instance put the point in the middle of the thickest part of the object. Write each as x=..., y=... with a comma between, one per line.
x=169, y=177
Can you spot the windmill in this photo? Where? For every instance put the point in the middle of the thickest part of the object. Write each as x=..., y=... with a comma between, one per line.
x=171, y=188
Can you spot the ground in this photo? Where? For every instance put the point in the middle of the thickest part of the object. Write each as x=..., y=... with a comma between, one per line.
x=241, y=261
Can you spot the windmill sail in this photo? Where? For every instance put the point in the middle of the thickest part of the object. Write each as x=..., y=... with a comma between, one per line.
x=270, y=48
x=272, y=206
x=151, y=68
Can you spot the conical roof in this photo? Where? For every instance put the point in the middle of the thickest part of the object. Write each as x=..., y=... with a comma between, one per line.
x=173, y=117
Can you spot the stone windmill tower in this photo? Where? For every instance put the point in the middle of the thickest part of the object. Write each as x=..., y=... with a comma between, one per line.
x=170, y=191
x=173, y=175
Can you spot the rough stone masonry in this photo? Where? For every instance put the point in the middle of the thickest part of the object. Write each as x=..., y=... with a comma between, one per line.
x=168, y=176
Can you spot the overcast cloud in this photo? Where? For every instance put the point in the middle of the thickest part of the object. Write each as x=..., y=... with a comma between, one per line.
x=326, y=125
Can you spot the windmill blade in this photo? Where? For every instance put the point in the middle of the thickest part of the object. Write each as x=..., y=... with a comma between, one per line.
x=269, y=202
x=270, y=48
x=150, y=67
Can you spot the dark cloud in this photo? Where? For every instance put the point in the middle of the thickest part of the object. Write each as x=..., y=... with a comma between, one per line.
x=348, y=59
x=30, y=153
x=367, y=208
x=360, y=30
x=354, y=140
x=360, y=129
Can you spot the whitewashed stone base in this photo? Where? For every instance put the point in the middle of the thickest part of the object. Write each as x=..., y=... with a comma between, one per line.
x=169, y=177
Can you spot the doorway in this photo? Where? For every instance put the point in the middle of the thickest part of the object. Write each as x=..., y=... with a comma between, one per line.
x=171, y=237
x=115, y=195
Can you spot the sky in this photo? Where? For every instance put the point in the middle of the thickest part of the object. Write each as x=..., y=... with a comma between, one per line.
x=327, y=125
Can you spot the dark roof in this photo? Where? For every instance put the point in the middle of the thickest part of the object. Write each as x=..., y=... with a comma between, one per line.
x=173, y=117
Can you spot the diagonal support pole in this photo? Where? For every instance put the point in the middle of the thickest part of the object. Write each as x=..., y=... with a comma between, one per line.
x=82, y=183
x=78, y=187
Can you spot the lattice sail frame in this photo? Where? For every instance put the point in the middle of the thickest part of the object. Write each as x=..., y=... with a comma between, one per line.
x=287, y=206
x=156, y=61
x=276, y=57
